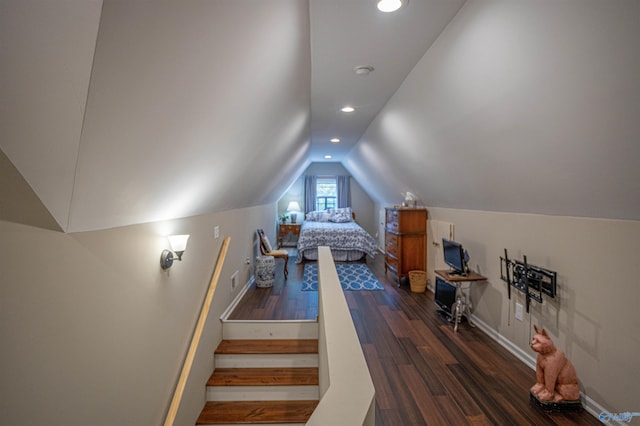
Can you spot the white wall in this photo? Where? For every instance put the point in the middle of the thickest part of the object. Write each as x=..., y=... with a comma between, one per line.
x=165, y=90
x=47, y=54
x=361, y=202
x=594, y=318
x=94, y=332
x=522, y=107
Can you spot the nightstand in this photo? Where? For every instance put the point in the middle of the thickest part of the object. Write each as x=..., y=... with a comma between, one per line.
x=286, y=230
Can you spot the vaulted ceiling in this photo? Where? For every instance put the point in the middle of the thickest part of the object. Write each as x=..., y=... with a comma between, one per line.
x=116, y=113
x=131, y=112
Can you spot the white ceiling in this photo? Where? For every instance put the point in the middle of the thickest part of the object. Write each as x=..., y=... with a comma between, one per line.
x=519, y=106
x=118, y=112
x=350, y=33
x=130, y=112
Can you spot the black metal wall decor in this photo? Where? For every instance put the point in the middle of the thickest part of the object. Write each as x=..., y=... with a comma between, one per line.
x=531, y=280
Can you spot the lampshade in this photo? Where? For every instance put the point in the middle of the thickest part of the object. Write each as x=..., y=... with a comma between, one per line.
x=178, y=242
x=178, y=245
x=293, y=206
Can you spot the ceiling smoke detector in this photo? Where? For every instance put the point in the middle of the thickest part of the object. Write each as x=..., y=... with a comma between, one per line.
x=363, y=69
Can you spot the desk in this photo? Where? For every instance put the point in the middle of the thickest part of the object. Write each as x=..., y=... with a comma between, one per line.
x=463, y=301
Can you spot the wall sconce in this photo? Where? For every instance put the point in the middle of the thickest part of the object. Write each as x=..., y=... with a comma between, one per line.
x=293, y=208
x=178, y=245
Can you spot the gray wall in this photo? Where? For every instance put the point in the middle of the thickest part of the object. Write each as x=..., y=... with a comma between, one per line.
x=94, y=332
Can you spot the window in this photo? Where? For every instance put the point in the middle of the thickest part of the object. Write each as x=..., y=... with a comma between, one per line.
x=326, y=193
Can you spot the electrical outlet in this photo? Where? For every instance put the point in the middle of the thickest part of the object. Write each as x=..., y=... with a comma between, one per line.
x=234, y=280
x=519, y=312
x=216, y=232
x=247, y=260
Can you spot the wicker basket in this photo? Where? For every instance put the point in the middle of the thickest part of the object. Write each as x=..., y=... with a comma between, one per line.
x=418, y=281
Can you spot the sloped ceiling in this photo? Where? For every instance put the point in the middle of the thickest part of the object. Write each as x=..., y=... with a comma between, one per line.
x=348, y=34
x=46, y=54
x=123, y=112
x=18, y=203
x=526, y=106
x=191, y=106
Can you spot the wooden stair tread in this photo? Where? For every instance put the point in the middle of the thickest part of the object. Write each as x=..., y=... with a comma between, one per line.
x=295, y=376
x=280, y=346
x=265, y=412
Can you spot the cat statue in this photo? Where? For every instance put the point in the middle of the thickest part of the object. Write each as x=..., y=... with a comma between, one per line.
x=556, y=379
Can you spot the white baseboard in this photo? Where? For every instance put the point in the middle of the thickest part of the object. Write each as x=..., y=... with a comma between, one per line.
x=591, y=406
x=529, y=360
x=236, y=300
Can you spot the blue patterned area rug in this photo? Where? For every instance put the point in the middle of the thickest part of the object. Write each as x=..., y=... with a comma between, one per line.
x=353, y=276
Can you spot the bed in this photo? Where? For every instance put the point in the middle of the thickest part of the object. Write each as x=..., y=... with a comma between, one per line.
x=336, y=229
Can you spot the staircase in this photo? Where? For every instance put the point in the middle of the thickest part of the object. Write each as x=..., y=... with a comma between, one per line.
x=265, y=373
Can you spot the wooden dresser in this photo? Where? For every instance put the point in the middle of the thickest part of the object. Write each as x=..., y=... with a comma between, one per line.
x=405, y=241
x=286, y=231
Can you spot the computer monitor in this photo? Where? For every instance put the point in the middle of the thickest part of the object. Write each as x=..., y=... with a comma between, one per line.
x=454, y=256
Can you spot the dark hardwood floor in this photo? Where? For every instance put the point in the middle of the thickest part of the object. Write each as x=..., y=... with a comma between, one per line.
x=423, y=372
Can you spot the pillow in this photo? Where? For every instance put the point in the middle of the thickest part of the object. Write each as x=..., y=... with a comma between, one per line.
x=340, y=218
x=267, y=244
x=324, y=217
x=341, y=215
x=318, y=216
x=264, y=240
x=313, y=216
x=346, y=210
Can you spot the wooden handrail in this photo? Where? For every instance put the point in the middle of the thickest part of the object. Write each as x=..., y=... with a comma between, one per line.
x=197, y=334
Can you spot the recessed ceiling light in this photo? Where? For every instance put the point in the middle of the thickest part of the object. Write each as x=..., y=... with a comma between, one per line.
x=391, y=5
x=328, y=157
x=335, y=140
x=347, y=109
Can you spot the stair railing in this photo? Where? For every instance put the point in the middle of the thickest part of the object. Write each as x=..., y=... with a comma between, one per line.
x=197, y=334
